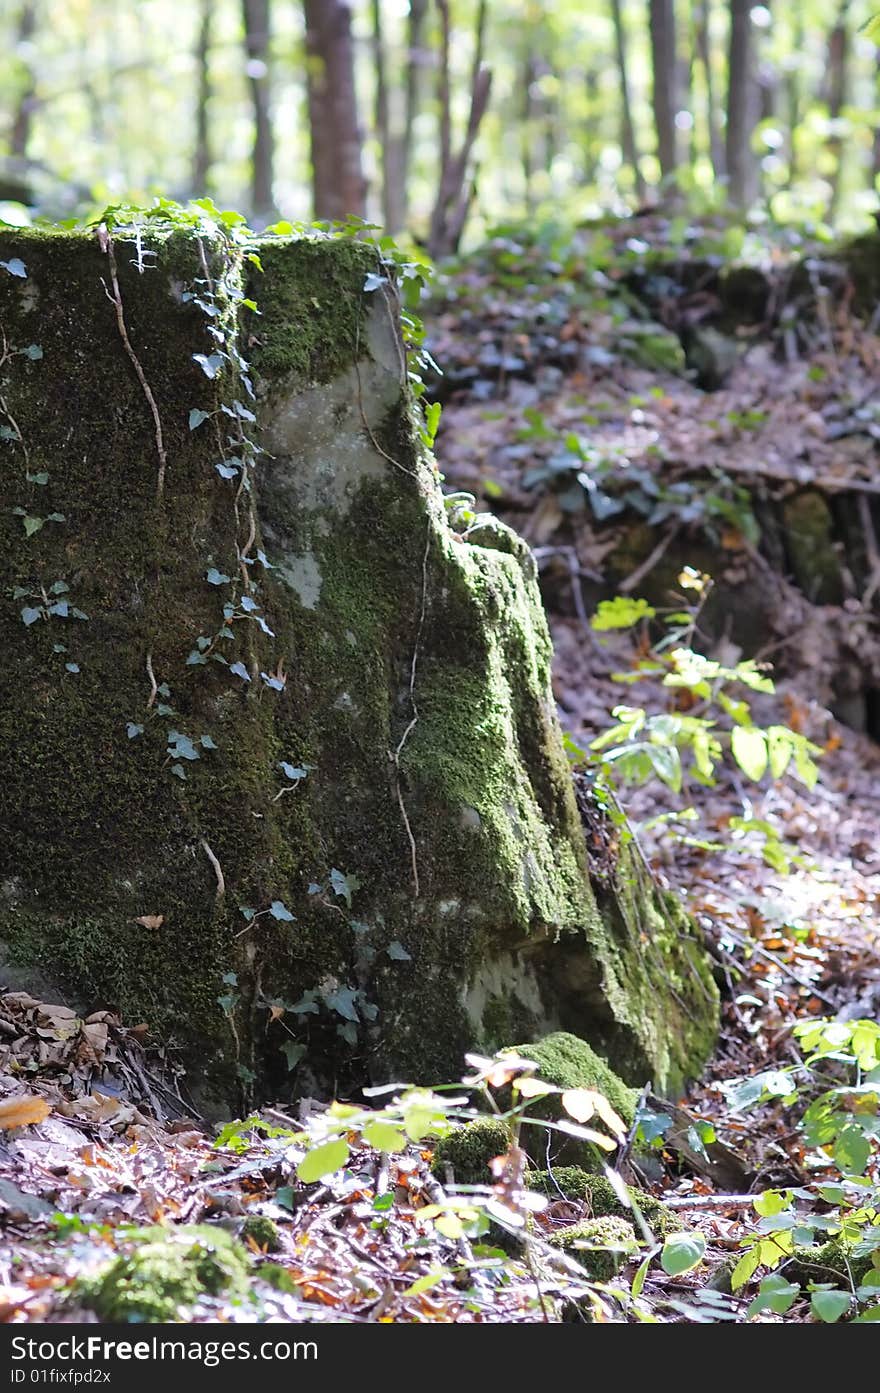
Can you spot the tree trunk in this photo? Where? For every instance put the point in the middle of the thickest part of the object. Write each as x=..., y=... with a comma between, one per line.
x=338, y=184
x=703, y=45
x=202, y=151
x=281, y=769
x=664, y=67
x=21, y=123
x=456, y=188
x=628, y=144
x=740, y=105
x=838, y=84
x=256, y=29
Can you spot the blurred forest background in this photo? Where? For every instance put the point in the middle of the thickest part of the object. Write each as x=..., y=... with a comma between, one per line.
x=442, y=117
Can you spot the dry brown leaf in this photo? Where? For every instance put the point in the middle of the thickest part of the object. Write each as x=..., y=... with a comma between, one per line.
x=150, y=921
x=23, y=1111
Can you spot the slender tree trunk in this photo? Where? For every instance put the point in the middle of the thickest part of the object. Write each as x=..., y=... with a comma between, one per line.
x=256, y=30
x=793, y=95
x=703, y=45
x=627, y=125
x=338, y=184
x=416, y=59
x=21, y=122
x=382, y=120
x=740, y=105
x=457, y=188
x=838, y=84
x=664, y=63
x=526, y=125
x=202, y=152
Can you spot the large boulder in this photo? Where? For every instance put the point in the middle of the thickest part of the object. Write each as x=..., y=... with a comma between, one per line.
x=280, y=762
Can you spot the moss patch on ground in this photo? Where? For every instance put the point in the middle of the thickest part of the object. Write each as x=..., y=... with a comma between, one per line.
x=601, y=1246
x=164, y=1274
x=467, y=1152
x=570, y=1063
x=574, y=1183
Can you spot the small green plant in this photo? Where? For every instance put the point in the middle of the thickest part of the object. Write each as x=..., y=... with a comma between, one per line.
x=822, y=1240
x=707, y=719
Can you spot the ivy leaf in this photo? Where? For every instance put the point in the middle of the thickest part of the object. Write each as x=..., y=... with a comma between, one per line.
x=179, y=771
x=276, y=683
x=58, y=587
x=15, y=267
x=210, y=365
x=247, y=604
x=281, y=912
x=342, y=1002
x=133, y=730
x=34, y=352
x=215, y=577
x=373, y=282
x=240, y=670
x=72, y=667
x=226, y=471
x=30, y=614
x=343, y=885
x=196, y=417
x=397, y=953
x=207, y=743
x=682, y=1252
x=32, y=525
x=41, y=478
x=323, y=1160
x=294, y=772
x=180, y=746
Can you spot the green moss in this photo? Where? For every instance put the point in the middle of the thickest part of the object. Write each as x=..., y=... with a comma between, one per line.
x=570, y=1063
x=832, y=1259
x=810, y=547
x=601, y=1246
x=468, y=1151
x=418, y=687
x=263, y=1232
x=316, y=286
x=574, y=1183
x=164, y=1274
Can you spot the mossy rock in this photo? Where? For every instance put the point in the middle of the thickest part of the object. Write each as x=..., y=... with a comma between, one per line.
x=570, y=1063
x=422, y=888
x=601, y=1246
x=467, y=1152
x=573, y=1183
x=164, y=1273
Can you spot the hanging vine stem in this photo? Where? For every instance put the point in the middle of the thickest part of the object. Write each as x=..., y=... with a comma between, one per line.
x=395, y=755
x=4, y=358
x=105, y=241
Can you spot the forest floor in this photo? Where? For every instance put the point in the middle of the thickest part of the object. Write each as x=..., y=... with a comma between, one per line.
x=121, y=1149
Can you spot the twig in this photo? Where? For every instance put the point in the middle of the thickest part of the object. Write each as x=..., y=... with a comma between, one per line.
x=154, y=689
x=218, y=870
x=778, y=964
x=105, y=242
x=650, y=562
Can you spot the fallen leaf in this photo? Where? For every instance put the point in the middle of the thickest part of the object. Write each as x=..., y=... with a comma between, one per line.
x=22, y=1111
x=150, y=921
